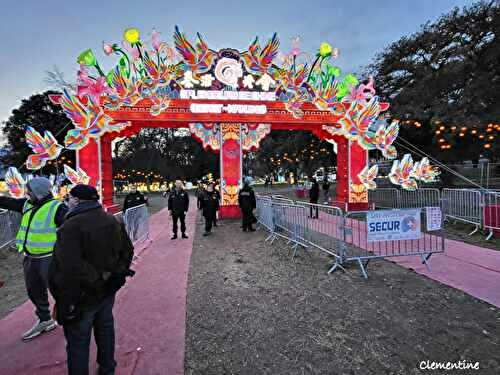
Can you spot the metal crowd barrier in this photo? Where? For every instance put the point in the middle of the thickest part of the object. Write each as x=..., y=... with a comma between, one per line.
x=136, y=221
x=384, y=198
x=359, y=250
x=9, y=225
x=463, y=205
x=342, y=235
x=491, y=213
x=421, y=197
x=472, y=206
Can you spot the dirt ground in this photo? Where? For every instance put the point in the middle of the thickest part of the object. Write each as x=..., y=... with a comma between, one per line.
x=252, y=310
x=13, y=291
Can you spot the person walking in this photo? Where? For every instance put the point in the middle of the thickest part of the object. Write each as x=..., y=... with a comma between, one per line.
x=247, y=203
x=92, y=257
x=210, y=206
x=41, y=216
x=314, y=197
x=178, y=205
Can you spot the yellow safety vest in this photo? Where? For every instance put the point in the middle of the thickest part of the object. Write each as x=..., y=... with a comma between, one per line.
x=41, y=236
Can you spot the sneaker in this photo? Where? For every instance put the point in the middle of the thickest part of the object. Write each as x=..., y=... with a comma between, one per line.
x=39, y=328
x=206, y=234
x=174, y=237
x=184, y=236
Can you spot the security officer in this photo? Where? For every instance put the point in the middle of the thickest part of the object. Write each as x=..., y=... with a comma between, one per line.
x=246, y=200
x=178, y=204
x=42, y=215
x=210, y=206
x=133, y=199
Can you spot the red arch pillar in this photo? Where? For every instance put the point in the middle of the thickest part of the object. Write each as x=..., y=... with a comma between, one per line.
x=351, y=160
x=96, y=160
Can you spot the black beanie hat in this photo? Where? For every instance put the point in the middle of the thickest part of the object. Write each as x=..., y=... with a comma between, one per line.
x=85, y=192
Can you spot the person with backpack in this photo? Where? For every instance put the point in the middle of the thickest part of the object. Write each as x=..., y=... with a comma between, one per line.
x=41, y=216
x=92, y=256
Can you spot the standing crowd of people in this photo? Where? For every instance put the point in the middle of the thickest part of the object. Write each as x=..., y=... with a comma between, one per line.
x=82, y=255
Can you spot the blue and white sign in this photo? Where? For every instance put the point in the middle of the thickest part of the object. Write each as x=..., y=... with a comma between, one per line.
x=393, y=225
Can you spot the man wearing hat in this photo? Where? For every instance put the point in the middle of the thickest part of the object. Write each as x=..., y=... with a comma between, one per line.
x=92, y=257
x=42, y=215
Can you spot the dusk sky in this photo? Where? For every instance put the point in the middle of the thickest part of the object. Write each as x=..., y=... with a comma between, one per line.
x=36, y=35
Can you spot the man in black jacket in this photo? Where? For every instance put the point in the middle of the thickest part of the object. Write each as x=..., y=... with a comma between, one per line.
x=133, y=199
x=314, y=197
x=92, y=257
x=246, y=200
x=36, y=264
x=210, y=206
x=178, y=204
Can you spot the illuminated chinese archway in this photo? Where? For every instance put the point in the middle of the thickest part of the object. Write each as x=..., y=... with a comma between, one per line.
x=229, y=100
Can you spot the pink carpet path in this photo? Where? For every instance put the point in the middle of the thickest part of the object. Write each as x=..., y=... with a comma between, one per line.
x=149, y=313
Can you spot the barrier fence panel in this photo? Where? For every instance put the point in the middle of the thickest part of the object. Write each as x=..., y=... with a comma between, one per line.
x=9, y=225
x=264, y=212
x=323, y=227
x=136, y=221
x=463, y=205
x=419, y=198
x=359, y=249
x=345, y=235
x=287, y=224
x=491, y=213
x=384, y=198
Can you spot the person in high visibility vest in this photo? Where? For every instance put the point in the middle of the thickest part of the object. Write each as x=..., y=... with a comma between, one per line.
x=42, y=215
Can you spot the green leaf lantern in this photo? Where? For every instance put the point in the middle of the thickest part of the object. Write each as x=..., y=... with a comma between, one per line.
x=87, y=58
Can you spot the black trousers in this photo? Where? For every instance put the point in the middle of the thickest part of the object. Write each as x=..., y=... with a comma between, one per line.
x=247, y=219
x=182, y=218
x=315, y=209
x=36, y=276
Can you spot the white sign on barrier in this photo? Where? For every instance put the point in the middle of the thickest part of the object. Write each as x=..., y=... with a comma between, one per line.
x=434, y=218
x=393, y=225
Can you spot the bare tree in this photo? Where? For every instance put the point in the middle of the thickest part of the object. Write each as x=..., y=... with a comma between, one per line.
x=55, y=79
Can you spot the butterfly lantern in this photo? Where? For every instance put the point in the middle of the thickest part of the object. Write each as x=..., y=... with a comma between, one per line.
x=15, y=183
x=90, y=121
x=367, y=176
x=76, y=177
x=402, y=173
x=45, y=148
x=424, y=172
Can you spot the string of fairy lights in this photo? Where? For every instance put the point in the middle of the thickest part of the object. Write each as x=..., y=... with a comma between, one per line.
x=445, y=133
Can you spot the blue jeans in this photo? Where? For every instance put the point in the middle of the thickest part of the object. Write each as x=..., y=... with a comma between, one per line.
x=99, y=317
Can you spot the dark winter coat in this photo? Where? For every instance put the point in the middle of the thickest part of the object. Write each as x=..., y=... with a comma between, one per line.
x=178, y=201
x=92, y=256
x=209, y=203
x=246, y=199
x=133, y=200
x=314, y=192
